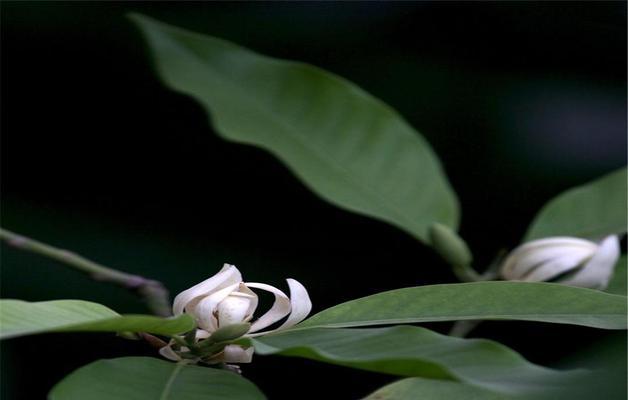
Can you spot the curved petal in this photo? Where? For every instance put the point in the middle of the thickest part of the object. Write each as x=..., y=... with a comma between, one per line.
x=234, y=308
x=300, y=302
x=237, y=354
x=554, y=241
x=596, y=273
x=557, y=266
x=168, y=353
x=254, y=301
x=301, y=306
x=204, y=310
x=281, y=307
x=201, y=334
x=525, y=258
x=227, y=276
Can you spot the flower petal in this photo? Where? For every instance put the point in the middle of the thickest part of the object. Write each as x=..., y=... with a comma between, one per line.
x=233, y=309
x=168, y=353
x=557, y=266
x=227, y=276
x=204, y=310
x=237, y=354
x=281, y=307
x=300, y=302
x=596, y=273
x=525, y=258
x=201, y=334
x=254, y=301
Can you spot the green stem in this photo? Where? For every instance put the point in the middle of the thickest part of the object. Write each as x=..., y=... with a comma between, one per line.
x=153, y=292
x=463, y=328
x=465, y=273
x=180, y=341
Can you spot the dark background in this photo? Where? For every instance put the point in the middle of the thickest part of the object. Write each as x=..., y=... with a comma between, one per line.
x=520, y=101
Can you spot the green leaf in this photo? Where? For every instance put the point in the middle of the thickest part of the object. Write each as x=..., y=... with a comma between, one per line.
x=19, y=318
x=345, y=145
x=143, y=378
x=544, y=302
x=414, y=351
x=590, y=211
x=617, y=284
x=432, y=389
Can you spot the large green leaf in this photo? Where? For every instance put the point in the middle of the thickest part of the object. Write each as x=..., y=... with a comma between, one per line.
x=589, y=211
x=143, y=378
x=619, y=280
x=414, y=351
x=19, y=318
x=544, y=302
x=432, y=389
x=345, y=145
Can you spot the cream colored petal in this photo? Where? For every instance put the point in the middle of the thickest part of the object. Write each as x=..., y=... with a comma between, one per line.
x=598, y=270
x=526, y=257
x=557, y=266
x=254, y=301
x=280, y=308
x=237, y=354
x=168, y=353
x=188, y=299
x=204, y=310
x=233, y=309
x=202, y=334
x=554, y=241
x=300, y=302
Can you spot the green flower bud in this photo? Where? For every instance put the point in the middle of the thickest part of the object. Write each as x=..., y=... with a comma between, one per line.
x=229, y=332
x=450, y=246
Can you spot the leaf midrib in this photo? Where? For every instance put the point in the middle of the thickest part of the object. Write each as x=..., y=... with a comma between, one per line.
x=173, y=376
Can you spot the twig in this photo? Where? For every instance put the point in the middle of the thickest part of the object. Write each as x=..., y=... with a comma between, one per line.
x=153, y=292
x=465, y=273
x=463, y=328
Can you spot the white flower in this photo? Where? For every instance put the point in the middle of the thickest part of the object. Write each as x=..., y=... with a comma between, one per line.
x=224, y=299
x=566, y=260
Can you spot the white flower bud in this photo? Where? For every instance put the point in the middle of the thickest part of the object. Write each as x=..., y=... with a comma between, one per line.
x=565, y=260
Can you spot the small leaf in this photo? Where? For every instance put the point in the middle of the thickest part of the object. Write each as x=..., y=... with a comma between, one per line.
x=619, y=280
x=143, y=378
x=346, y=146
x=432, y=389
x=590, y=211
x=543, y=302
x=19, y=318
x=414, y=351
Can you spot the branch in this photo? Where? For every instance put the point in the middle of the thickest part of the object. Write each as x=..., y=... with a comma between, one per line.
x=152, y=292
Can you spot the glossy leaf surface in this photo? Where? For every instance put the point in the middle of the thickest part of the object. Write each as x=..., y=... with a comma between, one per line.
x=144, y=378
x=345, y=145
x=19, y=318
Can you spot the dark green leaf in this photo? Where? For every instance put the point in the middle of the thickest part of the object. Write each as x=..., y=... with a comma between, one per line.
x=617, y=284
x=19, y=318
x=348, y=147
x=432, y=389
x=414, y=351
x=143, y=378
x=590, y=211
x=544, y=302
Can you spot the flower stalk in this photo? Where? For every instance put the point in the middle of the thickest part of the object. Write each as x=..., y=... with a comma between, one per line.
x=151, y=291
x=454, y=250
